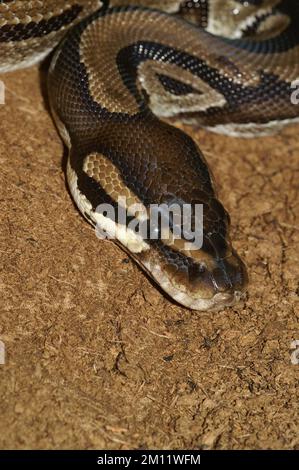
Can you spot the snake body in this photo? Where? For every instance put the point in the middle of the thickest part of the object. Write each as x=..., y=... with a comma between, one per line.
x=119, y=71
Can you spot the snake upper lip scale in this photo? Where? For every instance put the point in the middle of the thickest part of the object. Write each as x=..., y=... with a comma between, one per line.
x=118, y=70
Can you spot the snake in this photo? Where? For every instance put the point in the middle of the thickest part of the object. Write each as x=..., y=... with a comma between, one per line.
x=121, y=73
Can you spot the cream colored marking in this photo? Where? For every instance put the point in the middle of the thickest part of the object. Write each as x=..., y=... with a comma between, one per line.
x=102, y=170
x=169, y=6
x=234, y=17
x=129, y=239
x=273, y=26
x=26, y=62
x=166, y=104
x=250, y=130
x=80, y=199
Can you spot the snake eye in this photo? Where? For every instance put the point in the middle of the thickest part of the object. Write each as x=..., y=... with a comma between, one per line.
x=196, y=270
x=202, y=267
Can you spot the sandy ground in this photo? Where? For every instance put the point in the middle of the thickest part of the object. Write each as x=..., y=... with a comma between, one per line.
x=96, y=357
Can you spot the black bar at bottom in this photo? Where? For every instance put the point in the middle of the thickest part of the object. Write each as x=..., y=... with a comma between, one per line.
x=136, y=458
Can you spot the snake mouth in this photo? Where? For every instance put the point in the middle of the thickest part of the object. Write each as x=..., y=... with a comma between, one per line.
x=218, y=302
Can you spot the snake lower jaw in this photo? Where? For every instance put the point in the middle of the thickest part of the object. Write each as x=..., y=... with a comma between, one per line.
x=219, y=301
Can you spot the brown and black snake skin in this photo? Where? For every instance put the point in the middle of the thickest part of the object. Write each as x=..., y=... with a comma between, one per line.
x=121, y=71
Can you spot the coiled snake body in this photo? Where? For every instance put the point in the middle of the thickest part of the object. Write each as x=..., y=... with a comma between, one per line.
x=118, y=70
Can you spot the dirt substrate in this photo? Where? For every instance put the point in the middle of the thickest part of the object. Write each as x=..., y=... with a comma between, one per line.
x=96, y=357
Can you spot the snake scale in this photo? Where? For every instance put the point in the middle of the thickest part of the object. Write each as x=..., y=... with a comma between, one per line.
x=121, y=70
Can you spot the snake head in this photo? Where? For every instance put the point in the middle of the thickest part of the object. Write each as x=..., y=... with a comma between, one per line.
x=203, y=274
x=196, y=279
